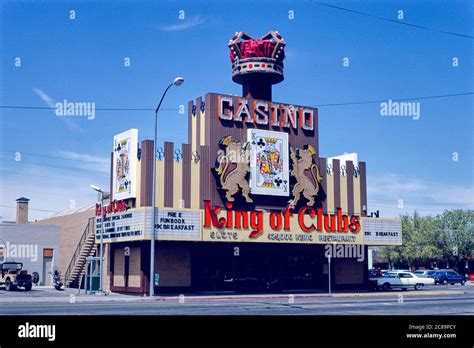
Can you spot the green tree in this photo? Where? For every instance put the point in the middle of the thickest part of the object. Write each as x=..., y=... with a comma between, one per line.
x=446, y=239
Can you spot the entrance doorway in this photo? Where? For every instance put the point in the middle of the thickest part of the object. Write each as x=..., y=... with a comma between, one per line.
x=47, y=270
x=256, y=268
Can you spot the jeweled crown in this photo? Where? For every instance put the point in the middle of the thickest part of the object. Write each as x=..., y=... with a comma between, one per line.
x=261, y=58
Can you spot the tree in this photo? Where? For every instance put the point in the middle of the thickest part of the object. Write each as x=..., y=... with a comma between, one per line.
x=446, y=238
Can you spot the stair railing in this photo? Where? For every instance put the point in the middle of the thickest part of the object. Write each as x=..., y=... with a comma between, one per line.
x=89, y=228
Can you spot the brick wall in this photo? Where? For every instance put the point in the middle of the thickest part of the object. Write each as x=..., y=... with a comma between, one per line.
x=173, y=263
x=119, y=268
x=71, y=229
x=134, y=268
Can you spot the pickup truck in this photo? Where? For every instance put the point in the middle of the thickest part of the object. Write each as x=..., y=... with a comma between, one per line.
x=402, y=280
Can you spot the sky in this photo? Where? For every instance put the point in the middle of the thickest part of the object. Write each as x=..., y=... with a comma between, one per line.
x=77, y=51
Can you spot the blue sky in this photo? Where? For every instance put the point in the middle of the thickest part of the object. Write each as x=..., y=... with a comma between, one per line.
x=83, y=60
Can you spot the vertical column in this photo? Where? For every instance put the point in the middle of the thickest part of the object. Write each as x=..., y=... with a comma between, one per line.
x=337, y=183
x=202, y=121
x=343, y=185
x=357, y=202
x=160, y=183
x=363, y=186
x=205, y=185
x=186, y=179
x=350, y=187
x=146, y=173
x=168, y=174
x=197, y=123
x=330, y=192
x=190, y=118
x=324, y=183
x=111, y=176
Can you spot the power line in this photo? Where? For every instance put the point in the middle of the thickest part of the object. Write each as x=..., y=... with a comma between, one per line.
x=47, y=211
x=392, y=20
x=314, y=105
x=396, y=99
x=43, y=176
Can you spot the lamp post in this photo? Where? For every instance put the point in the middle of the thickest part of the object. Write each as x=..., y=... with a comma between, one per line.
x=101, y=269
x=177, y=82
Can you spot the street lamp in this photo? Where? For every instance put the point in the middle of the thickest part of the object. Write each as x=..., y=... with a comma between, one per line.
x=177, y=82
x=101, y=269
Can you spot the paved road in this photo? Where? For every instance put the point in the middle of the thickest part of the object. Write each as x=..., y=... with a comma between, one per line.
x=438, y=300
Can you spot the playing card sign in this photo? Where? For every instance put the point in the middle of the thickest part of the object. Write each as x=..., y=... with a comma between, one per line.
x=125, y=164
x=269, y=173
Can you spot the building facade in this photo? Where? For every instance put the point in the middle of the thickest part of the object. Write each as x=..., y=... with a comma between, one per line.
x=248, y=204
x=35, y=246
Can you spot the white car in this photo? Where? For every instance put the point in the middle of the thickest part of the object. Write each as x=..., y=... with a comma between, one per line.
x=403, y=280
x=425, y=273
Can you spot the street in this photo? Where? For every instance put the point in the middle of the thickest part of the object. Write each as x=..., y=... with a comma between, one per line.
x=435, y=300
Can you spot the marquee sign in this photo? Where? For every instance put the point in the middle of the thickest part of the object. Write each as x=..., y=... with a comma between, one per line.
x=135, y=224
x=382, y=231
x=123, y=226
x=268, y=162
x=310, y=225
x=178, y=225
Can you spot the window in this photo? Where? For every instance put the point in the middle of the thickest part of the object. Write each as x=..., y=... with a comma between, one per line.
x=405, y=275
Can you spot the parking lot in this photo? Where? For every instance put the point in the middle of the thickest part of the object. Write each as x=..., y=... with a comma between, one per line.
x=434, y=300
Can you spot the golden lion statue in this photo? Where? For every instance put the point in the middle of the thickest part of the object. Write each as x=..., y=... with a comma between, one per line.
x=233, y=167
x=306, y=173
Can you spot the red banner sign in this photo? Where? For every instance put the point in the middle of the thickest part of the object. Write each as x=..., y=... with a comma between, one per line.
x=114, y=207
x=253, y=220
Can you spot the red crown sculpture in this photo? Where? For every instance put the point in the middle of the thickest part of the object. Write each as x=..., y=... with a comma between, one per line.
x=260, y=59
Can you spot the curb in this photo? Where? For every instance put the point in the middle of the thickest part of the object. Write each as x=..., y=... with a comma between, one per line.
x=295, y=296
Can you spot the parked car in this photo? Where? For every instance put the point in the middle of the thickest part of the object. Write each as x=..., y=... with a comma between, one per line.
x=425, y=273
x=448, y=276
x=13, y=275
x=403, y=280
x=373, y=277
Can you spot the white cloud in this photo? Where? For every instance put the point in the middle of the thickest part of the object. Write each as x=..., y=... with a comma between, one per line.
x=384, y=193
x=44, y=97
x=70, y=124
x=185, y=24
x=83, y=157
x=49, y=190
x=52, y=188
x=88, y=162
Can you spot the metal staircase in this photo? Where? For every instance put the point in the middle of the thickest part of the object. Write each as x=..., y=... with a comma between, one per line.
x=86, y=247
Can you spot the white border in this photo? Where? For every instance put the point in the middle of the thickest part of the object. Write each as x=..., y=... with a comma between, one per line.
x=133, y=135
x=253, y=168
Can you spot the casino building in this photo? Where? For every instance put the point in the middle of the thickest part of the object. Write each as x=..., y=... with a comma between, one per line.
x=248, y=204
